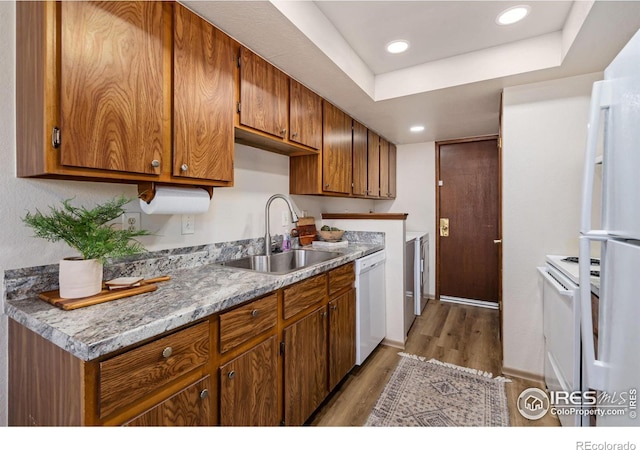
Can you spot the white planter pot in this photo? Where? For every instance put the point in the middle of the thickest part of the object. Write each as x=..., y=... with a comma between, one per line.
x=80, y=277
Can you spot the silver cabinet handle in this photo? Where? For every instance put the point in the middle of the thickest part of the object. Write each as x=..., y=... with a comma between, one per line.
x=167, y=352
x=184, y=167
x=254, y=313
x=155, y=163
x=231, y=375
x=204, y=394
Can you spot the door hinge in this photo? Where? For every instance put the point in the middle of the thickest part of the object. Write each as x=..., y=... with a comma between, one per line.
x=282, y=348
x=55, y=137
x=238, y=106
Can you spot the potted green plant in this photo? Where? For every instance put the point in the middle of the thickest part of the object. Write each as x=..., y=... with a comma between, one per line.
x=87, y=231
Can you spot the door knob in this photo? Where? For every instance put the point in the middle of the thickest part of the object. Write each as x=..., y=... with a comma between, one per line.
x=497, y=241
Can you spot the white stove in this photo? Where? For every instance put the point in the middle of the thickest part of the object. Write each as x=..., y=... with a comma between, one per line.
x=568, y=266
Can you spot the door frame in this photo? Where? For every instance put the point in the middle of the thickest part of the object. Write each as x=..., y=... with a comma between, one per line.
x=437, y=223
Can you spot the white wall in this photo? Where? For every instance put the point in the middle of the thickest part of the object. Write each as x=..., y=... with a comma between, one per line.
x=416, y=195
x=544, y=136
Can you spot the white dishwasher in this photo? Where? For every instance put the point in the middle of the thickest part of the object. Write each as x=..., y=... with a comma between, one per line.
x=370, y=304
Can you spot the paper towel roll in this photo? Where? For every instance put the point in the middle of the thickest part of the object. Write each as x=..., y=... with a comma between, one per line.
x=177, y=200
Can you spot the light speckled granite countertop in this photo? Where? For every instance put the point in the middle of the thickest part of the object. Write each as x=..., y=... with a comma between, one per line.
x=192, y=294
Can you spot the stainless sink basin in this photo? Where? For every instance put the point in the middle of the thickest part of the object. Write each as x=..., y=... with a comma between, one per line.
x=281, y=263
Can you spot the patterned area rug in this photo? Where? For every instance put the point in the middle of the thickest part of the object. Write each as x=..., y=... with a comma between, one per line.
x=436, y=394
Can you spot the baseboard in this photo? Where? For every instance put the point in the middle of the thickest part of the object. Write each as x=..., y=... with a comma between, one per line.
x=510, y=372
x=394, y=344
x=469, y=302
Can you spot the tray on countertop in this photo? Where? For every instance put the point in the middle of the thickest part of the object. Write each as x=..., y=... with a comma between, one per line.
x=106, y=295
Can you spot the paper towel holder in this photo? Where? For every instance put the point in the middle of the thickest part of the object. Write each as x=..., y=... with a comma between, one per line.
x=147, y=189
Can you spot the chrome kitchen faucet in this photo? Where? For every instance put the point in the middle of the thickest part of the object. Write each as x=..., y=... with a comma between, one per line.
x=267, y=234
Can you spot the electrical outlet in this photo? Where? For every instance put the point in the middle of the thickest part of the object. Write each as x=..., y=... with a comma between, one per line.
x=131, y=221
x=188, y=223
x=285, y=218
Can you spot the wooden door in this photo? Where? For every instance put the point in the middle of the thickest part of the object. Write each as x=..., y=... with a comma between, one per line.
x=468, y=197
x=249, y=387
x=342, y=337
x=305, y=116
x=336, y=150
x=392, y=171
x=264, y=104
x=305, y=366
x=112, y=82
x=359, y=159
x=189, y=407
x=203, y=99
x=384, y=168
x=373, y=165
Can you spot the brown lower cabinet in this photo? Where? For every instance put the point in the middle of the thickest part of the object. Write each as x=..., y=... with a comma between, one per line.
x=296, y=345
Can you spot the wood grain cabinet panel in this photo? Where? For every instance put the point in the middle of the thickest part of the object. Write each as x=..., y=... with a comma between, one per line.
x=130, y=376
x=112, y=85
x=336, y=150
x=249, y=387
x=384, y=168
x=305, y=366
x=342, y=337
x=341, y=278
x=189, y=407
x=373, y=164
x=263, y=95
x=305, y=116
x=392, y=170
x=301, y=296
x=248, y=321
x=360, y=158
x=203, y=99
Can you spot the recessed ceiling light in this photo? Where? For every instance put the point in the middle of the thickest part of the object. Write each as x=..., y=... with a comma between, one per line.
x=416, y=128
x=398, y=46
x=513, y=15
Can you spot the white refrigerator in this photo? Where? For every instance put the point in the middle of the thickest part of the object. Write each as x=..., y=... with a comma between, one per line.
x=612, y=367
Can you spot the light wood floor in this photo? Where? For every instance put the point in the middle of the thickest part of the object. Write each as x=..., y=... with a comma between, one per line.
x=463, y=335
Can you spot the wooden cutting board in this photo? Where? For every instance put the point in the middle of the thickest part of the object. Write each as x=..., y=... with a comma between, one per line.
x=306, y=230
x=106, y=295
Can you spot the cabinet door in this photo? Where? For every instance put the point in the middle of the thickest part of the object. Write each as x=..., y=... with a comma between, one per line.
x=373, y=164
x=249, y=387
x=203, y=98
x=305, y=366
x=305, y=121
x=336, y=150
x=392, y=171
x=359, y=159
x=189, y=407
x=342, y=337
x=112, y=85
x=384, y=168
x=263, y=95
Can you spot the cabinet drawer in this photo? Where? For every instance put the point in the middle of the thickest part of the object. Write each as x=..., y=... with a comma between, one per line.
x=134, y=374
x=248, y=321
x=341, y=278
x=304, y=294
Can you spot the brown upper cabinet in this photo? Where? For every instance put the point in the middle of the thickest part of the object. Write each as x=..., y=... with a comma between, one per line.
x=264, y=92
x=392, y=171
x=373, y=165
x=95, y=87
x=203, y=98
x=384, y=168
x=359, y=160
x=305, y=119
x=336, y=150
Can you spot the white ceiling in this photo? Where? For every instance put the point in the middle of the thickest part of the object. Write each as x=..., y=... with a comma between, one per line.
x=458, y=62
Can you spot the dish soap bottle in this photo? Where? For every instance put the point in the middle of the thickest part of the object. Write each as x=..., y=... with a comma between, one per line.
x=286, y=241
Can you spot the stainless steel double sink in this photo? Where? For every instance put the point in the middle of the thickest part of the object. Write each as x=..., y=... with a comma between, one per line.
x=282, y=263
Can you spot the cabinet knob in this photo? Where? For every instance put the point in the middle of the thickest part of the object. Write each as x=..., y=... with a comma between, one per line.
x=334, y=307
x=323, y=314
x=231, y=375
x=204, y=394
x=184, y=167
x=294, y=135
x=283, y=131
x=326, y=185
x=254, y=313
x=155, y=163
x=167, y=352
